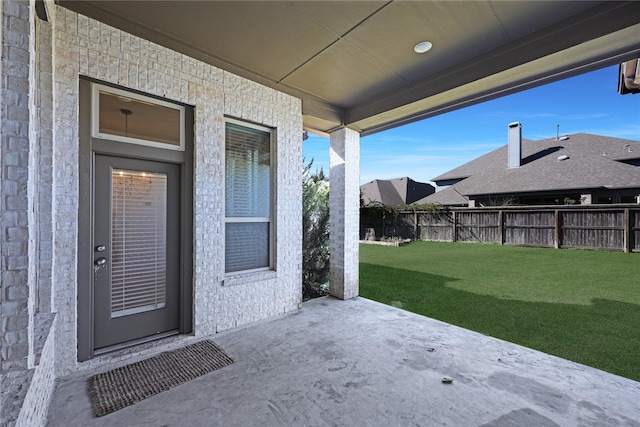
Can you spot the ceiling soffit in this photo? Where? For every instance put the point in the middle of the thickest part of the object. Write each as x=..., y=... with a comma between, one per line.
x=585, y=42
x=351, y=62
x=587, y=57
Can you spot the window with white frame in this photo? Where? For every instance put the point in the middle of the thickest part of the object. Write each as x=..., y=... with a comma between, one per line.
x=248, y=197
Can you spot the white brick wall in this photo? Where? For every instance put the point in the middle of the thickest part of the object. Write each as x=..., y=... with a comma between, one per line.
x=35, y=408
x=344, y=201
x=86, y=47
x=40, y=107
x=16, y=234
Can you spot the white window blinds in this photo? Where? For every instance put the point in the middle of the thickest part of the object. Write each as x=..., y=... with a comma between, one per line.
x=247, y=197
x=139, y=241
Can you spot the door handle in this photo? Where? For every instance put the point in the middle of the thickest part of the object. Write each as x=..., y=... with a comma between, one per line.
x=100, y=262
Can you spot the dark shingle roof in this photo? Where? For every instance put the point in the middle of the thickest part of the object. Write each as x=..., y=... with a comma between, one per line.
x=448, y=196
x=393, y=192
x=592, y=161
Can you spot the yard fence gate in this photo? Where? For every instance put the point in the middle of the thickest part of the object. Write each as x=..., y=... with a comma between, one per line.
x=611, y=227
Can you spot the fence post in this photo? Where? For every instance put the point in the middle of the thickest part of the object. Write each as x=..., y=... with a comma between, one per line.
x=454, y=236
x=501, y=227
x=626, y=224
x=634, y=242
x=557, y=232
x=415, y=225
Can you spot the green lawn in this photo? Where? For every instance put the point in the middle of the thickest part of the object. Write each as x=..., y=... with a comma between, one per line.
x=579, y=305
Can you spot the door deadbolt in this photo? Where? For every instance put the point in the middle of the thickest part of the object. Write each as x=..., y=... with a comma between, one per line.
x=100, y=248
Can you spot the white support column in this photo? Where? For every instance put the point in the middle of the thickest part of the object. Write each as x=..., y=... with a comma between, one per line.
x=344, y=223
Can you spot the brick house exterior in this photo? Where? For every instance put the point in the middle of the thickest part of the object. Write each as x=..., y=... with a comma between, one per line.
x=50, y=53
x=43, y=61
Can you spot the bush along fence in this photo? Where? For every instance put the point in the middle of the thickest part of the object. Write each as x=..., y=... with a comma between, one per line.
x=610, y=227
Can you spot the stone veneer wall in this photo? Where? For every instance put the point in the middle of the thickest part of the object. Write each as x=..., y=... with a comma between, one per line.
x=43, y=158
x=15, y=233
x=86, y=47
x=344, y=200
x=35, y=407
x=42, y=279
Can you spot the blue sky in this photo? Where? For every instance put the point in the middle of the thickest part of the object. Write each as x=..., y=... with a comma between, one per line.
x=423, y=150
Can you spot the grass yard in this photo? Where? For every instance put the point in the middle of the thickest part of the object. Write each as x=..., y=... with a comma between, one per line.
x=579, y=305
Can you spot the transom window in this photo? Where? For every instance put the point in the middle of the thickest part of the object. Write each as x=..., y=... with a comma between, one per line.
x=124, y=116
x=248, y=197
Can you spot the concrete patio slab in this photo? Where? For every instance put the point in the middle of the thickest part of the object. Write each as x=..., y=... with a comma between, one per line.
x=361, y=363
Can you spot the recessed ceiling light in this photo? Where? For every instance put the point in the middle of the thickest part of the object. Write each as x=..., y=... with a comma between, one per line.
x=422, y=47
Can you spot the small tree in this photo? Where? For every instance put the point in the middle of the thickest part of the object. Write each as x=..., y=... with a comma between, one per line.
x=315, y=233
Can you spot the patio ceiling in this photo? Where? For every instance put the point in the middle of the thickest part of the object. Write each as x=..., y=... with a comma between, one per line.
x=352, y=62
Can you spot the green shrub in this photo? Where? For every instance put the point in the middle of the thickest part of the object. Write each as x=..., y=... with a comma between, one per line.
x=315, y=233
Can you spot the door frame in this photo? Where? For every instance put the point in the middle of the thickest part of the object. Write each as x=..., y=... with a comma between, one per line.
x=88, y=148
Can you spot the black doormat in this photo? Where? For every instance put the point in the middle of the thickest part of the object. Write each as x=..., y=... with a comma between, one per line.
x=121, y=387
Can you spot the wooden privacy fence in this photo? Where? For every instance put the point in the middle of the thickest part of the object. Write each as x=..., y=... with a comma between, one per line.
x=614, y=228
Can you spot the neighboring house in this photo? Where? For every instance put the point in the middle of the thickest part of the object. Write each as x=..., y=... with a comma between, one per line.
x=573, y=169
x=629, y=77
x=192, y=113
x=394, y=192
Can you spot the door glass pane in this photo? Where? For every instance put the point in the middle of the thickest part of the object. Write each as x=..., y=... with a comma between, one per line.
x=138, y=241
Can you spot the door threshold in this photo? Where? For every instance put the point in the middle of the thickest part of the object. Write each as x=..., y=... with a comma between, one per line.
x=133, y=343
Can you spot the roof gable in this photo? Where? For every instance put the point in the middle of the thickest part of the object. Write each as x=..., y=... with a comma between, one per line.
x=393, y=192
x=448, y=196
